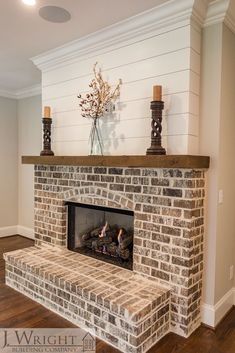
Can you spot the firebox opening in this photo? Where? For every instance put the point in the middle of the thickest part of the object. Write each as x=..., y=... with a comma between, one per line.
x=101, y=232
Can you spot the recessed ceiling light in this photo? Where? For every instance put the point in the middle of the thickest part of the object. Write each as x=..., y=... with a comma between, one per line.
x=54, y=14
x=29, y=2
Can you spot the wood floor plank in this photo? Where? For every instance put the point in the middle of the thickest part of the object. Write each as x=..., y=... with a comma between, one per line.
x=16, y=310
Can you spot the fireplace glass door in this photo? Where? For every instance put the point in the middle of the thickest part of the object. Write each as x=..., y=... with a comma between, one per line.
x=101, y=232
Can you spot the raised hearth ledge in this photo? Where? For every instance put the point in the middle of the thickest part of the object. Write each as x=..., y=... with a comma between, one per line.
x=170, y=161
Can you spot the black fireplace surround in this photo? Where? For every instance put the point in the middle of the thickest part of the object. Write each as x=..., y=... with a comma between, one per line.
x=102, y=232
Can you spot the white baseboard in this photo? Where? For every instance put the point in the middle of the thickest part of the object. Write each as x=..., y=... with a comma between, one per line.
x=8, y=231
x=212, y=314
x=13, y=230
x=25, y=232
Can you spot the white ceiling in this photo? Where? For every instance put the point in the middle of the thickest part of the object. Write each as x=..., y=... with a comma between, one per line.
x=23, y=34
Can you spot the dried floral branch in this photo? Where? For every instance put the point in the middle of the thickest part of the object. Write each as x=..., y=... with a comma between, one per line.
x=98, y=101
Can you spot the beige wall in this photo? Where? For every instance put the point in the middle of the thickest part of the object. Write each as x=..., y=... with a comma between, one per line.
x=225, y=250
x=209, y=144
x=217, y=128
x=29, y=122
x=9, y=162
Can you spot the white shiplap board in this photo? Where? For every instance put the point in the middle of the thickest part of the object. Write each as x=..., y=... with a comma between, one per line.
x=171, y=59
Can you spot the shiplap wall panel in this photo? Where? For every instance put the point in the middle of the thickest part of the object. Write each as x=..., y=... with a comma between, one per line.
x=173, y=125
x=171, y=59
x=172, y=84
x=195, y=62
x=174, y=104
x=155, y=46
x=169, y=119
x=195, y=39
x=121, y=146
x=148, y=68
x=133, y=146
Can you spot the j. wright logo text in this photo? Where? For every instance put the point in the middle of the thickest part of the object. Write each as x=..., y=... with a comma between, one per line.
x=46, y=341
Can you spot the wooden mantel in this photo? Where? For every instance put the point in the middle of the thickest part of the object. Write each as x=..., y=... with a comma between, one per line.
x=169, y=161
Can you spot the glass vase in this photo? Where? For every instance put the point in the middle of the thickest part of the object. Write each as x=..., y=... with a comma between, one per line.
x=96, y=144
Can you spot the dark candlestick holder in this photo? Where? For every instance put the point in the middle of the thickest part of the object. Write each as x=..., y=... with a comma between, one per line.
x=156, y=138
x=47, y=137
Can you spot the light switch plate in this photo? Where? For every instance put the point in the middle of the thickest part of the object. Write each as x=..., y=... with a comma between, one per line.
x=221, y=196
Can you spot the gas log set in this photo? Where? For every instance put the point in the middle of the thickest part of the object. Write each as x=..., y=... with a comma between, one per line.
x=104, y=233
x=110, y=240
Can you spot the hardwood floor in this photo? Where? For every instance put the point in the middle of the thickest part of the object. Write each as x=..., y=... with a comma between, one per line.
x=17, y=310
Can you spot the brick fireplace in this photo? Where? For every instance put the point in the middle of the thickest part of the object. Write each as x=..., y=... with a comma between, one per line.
x=166, y=281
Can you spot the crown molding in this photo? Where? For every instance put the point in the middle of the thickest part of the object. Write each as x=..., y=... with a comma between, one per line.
x=230, y=16
x=230, y=22
x=171, y=15
x=199, y=11
x=221, y=11
x=216, y=12
x=23, y=93
x=29, y=92
x=7, y=94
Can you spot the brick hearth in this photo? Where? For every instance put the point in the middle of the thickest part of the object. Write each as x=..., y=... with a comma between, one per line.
x=127, y=310
x=168, y=236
